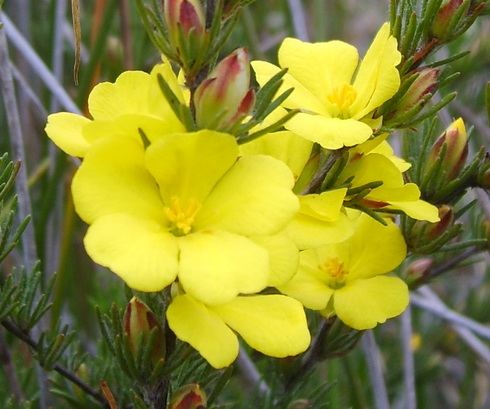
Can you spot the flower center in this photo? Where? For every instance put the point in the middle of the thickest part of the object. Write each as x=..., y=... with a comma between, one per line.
x=336, y=273
x=342, y=97
x=181, y=217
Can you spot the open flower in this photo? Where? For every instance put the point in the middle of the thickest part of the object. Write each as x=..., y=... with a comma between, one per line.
x=272, y=324
x=337, y=96
x=184, y=208
x=369, y=163
x=349, y=278
x=132, y=104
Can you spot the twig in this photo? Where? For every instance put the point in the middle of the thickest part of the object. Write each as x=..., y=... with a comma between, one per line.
x=453, y=262
x=299, y=20
x=251, y=374
x=17, y=146
x=373, y=360
x=408, y=361
x=125, y=18
x=313, y=355
x=463, y=331
x=316, y=182
x=430, y=302
x=23, y=336
x=38, y=65
x=9, y=369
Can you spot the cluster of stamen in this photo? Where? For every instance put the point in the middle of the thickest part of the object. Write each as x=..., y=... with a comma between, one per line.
x=182, y=217
x=336, y=272
x=342, y=97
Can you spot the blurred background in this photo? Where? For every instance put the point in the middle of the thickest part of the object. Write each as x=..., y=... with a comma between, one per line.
x=452, y=370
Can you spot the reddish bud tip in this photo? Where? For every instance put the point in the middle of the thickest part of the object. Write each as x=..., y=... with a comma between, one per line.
x=225, y=97
x=190, y=396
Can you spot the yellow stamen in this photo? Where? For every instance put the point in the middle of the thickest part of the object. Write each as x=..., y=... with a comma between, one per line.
x=182, y=217
x=342, y=97
x=335, y=270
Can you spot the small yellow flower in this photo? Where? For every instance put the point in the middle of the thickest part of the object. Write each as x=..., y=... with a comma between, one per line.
x=132, y=104
x=337, y=96
x=349, y=278
x=187, y=208
x=368, y=163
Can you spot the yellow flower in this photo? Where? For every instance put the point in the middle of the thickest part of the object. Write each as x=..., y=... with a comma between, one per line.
x=272, y=324
x=185, y=208
x=369, y=163
x=336, y=95
x=133, y=103
x=321, y=220
x=349, y=278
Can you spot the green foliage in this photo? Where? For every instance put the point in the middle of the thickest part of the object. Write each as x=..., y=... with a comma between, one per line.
x=337, y=376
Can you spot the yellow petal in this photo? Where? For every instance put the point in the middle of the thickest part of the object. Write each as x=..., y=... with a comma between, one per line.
x=418, y=209
x=188, y=165
x=309, y=232
x=253, y=198
x=272, y=324
x=286, y=146
x=138, y=250
x=370, y=168
x=65, y=130
x=216, y=266
x=301, y=98
x=127, y=95
x=167, y=73
x=132, y=125
x=309, y=285
x=319, y=67
x=325, y=206
x=374, y=249
x=377, y=79
x=112, y=179
x=283, y=257
x=362, y=304
x=203, y=329
x=330, y=133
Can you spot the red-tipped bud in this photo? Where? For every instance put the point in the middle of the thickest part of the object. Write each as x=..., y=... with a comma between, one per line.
x=456, y=143
x=184, y=17
x=225, y=98
x=139, y=321
x=190, y=396
x=424, y=84
x=443, y=22
x=446, y=216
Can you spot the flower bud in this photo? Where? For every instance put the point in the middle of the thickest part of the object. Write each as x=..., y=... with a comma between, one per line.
x=446, y=216
x=139, y=321
x=456, y=143
x=424, y=84
x=191, y=396
x=185, y=21
x=224, y=99
x=443, y=23
x=418, y=271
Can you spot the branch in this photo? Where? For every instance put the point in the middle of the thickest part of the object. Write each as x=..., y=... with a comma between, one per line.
x=23, y=336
